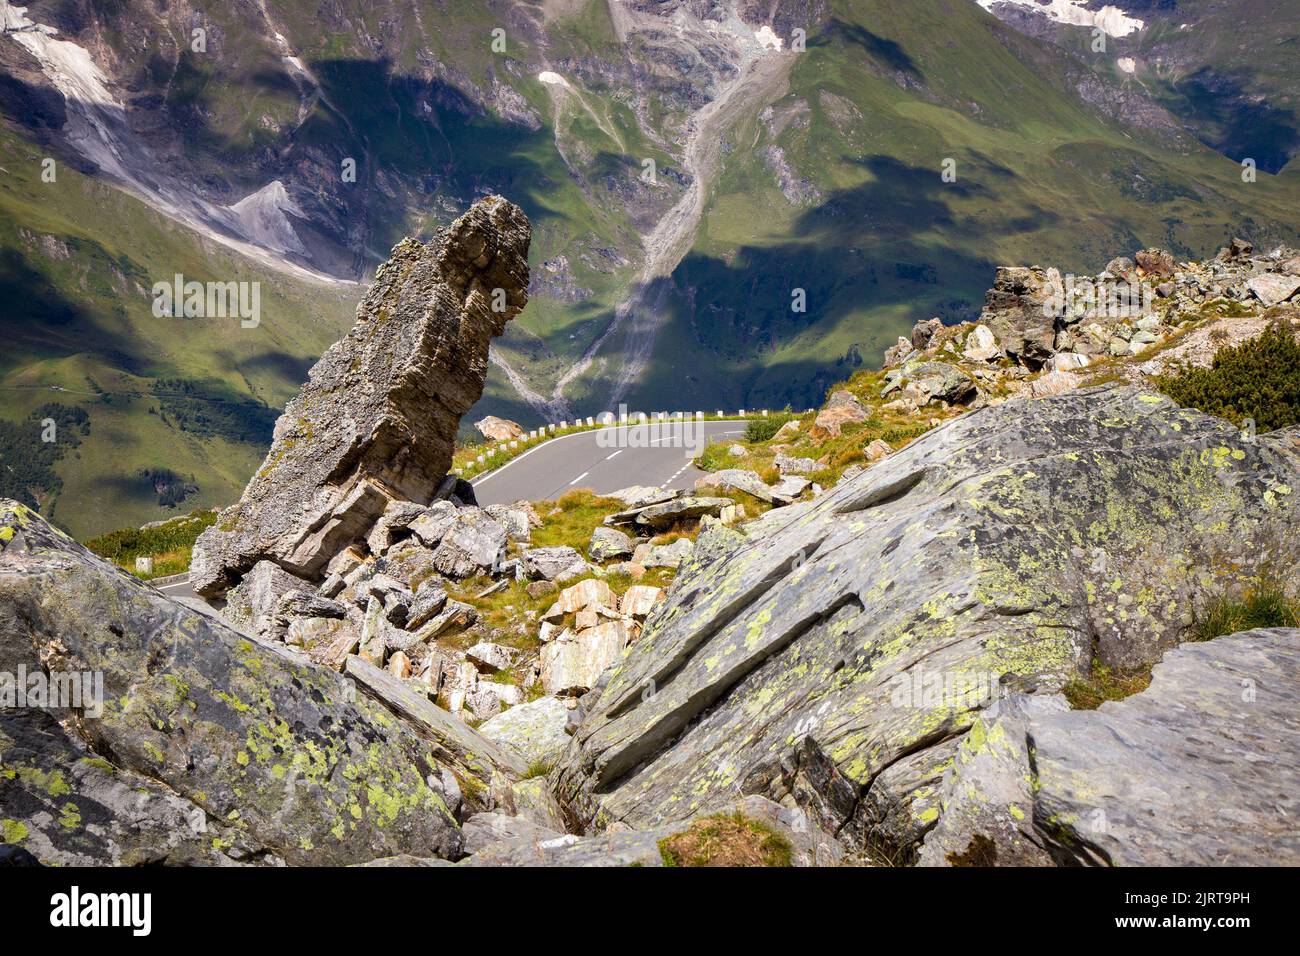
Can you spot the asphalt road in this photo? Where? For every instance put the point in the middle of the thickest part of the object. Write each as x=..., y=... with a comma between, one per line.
x=606, y=459
x=178, y=589
x=602, y=460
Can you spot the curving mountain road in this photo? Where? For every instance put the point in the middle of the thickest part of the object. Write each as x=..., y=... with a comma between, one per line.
x=602, y=460
x=605, y=460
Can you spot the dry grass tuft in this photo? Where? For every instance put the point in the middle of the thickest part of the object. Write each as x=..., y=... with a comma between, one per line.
x=726, y=840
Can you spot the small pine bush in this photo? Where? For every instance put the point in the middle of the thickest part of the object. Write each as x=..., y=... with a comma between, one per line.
x=1259, y=380
x=761, y=429
x=130, y=543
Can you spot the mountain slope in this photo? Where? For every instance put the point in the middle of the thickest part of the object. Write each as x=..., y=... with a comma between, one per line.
x=692, y=178
x=1225, y=68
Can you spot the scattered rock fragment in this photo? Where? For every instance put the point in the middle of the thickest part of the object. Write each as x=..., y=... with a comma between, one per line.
x=560, y=563
x=499, y=429
x=608, y=544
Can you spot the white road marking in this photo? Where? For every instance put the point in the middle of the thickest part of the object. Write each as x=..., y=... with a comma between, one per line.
x=615, y=455
x=580, y=477
x=538, y=447
x=178, y=584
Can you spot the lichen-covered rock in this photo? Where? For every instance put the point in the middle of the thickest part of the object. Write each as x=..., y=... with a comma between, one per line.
x=560, y=563
x=535, y=802
x=986, y=801
x=377, y=420
x=1200, y=769
x=268, y=757
x=607, y=544
x=516, y=521
x=1004, y=550
x=535, y=730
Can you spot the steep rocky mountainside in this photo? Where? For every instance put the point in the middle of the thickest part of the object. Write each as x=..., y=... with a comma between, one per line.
x=734, y=203
x=868, y=636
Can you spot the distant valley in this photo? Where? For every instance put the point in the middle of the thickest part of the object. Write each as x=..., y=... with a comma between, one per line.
x=735, y=203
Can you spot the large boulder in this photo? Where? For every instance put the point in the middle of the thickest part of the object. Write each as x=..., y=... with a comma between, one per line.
x=736, y=479
x=607, y=544
x=572, y=663
x=841, y=409
x=924, y=331
x=1201, y=769
x=499, y=429
x=377, y=420
x=472, y=543
x=680, y=509
x=559, y=563
x=999, y=553
x=1021, y=311
x=535, y=730
x=924, y=382
x=1274, y=288
x=981, y=345
x=245, y=751
x=985, y=801
x=1155, y=263
x=252, y=605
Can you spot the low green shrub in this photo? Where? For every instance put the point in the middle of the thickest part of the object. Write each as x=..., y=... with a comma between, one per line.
x=1258, y=379
x=761, y=429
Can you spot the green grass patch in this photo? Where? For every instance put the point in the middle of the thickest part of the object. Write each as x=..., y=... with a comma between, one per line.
x=538, y=768
x=169, y=544
x=571, y=519
x=762, y=429
x=1266, y=606
x=1106, y=683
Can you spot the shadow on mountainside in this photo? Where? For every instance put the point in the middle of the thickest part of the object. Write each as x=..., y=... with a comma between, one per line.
x=1230, y=118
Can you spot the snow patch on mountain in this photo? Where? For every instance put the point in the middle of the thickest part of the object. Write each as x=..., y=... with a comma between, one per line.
x=256, y=226
x=767, y=39
x=552, y=79
x=1110, y=19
